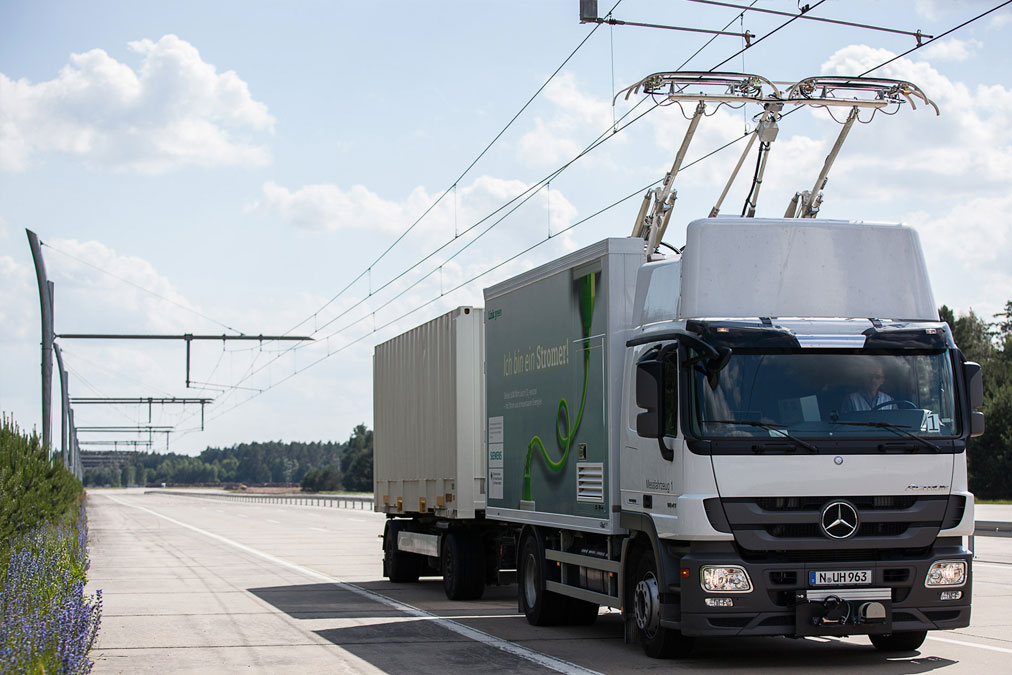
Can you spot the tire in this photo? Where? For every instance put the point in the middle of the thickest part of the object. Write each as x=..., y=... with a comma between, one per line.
x=658, y=642
x=463, y=566
x=398, y=566
x=541, y=607
x=899, y=642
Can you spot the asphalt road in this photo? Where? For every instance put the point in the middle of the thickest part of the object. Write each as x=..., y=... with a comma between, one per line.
x=199, y=586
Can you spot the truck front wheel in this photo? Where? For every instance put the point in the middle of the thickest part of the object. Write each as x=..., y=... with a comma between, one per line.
x=541, y=607
x=463, y=566
x=899, y=642
x=658, y=642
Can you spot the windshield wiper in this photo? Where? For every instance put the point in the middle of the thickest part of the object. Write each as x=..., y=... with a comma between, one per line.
x=895, y=428
x=779, y=429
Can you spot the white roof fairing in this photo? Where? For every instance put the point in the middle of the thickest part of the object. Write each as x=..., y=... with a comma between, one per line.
x=753, y=267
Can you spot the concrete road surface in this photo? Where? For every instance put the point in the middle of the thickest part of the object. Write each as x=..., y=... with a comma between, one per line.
x=199, y=586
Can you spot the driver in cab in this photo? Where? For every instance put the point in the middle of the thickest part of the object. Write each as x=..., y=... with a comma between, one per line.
x=870, y=396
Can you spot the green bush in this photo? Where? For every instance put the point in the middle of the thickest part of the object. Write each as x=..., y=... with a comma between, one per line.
x=34, y=488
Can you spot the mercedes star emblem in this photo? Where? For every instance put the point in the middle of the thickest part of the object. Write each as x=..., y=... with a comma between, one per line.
x=839, y=520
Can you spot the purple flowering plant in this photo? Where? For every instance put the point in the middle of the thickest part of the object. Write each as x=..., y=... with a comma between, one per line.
x=47, y=624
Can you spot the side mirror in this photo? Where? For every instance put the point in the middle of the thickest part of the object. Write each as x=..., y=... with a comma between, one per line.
x=976, y=424
x=974, y=384
x=650, y=395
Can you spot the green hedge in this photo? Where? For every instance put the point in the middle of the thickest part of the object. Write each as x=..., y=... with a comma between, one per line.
x=34, y=489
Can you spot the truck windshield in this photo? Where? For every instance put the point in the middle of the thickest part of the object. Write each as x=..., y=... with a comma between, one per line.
x=822, y=394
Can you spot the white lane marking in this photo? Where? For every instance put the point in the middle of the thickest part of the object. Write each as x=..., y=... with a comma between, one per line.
x=1003, y=650
x=318, y=529
x=276, y=522
x=549, y=662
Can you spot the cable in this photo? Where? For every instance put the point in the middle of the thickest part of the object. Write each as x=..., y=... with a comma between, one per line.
x=139, y=287
x=535, y=187
x=939, y=37
x=460, y=177
x=523, y=198
x=915, y=34
x=755, y=42
x=635, y=193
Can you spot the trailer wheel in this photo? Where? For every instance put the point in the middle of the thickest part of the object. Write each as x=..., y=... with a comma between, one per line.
x=398, y=566
x=899, y=642
x=540, y=606
x=658, y=642
x=463, y=566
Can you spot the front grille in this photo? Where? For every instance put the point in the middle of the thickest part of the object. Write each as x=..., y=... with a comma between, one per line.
x=881, y=529
x=816, y=503
x=791, y=523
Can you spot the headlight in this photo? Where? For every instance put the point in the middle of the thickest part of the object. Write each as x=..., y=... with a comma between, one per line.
x=946, y=573
x=727, y=579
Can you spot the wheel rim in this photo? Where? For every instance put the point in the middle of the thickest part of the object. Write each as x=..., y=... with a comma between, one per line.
x=530, y=580
x=647, y=604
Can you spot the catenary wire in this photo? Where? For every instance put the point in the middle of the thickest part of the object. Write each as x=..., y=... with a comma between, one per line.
x=470, y=280
x=458, y=179
x=944, y=34
x=253, y=369
x=139, y=287
x=536, y=186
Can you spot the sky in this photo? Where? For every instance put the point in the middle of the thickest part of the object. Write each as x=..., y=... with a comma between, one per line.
x=309, y=169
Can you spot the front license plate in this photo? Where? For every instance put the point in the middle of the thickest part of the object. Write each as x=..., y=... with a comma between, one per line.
x=840, y=578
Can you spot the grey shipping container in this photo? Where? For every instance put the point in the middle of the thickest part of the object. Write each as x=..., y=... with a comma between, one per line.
x=428, y=412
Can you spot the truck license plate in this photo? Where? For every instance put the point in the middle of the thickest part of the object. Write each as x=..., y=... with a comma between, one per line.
x=840, y=578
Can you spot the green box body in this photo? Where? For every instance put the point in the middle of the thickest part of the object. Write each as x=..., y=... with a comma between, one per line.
x=553, y=349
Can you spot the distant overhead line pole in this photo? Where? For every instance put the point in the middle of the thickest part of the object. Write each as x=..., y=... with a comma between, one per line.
x=140, y=400
x=188, y=337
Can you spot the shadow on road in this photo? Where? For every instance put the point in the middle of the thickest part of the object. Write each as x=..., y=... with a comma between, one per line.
x=393, y=641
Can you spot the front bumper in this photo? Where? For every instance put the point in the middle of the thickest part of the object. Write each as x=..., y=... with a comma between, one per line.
x=783, y=602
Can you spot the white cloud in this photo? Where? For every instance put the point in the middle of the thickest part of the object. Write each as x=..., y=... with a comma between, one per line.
x=951, y=49
x=332, y=208
x=999, y=20
x=968, y=249
x=109, y=285
x=566, y=130
x=19, y=303
x=965, y=150
x=174, y=110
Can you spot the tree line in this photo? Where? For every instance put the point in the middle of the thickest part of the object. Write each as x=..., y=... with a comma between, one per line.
x=989, y=343
x=346, y=465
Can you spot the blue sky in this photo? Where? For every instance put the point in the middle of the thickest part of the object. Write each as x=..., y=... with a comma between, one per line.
x=232, y=166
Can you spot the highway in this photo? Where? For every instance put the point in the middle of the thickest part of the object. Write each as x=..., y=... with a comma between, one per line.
x=204, y=586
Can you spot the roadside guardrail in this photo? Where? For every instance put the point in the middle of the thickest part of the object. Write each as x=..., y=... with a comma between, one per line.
x=984, y=528
x=992, y=528
x=336, y=501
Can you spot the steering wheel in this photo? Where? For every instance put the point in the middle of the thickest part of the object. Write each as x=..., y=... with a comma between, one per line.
x=897, y=402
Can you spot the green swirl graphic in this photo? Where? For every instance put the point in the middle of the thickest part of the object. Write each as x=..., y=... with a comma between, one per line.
x=564, y=432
